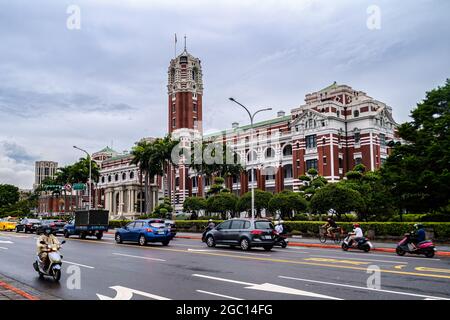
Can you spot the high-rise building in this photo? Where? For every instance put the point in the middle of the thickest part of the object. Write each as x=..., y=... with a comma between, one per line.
x=44, y=170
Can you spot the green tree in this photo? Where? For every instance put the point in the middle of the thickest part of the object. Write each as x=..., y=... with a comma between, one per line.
x=418, y=171
x=163, y=208
x=262, y=199
x=194, y=205
x=337, y=197
x=223, y=203
x=287, y=202
x=9, y=195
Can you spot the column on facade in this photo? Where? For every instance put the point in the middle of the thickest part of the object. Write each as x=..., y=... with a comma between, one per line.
x=261, y=179
x=244, y=182
x=279, y=179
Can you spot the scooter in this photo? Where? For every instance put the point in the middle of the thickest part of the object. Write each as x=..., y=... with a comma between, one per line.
x=53, y=267
x=280, y=240
x=361, y=244
x=426, y=247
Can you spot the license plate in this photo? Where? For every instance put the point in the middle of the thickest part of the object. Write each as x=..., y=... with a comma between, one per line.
x=267, y=237
x=160, y=232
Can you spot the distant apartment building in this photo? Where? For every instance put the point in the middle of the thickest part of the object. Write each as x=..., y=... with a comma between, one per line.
x=44, y=170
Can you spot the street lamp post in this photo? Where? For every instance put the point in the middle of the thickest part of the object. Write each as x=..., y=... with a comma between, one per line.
x=90, y=175
x=252, y=116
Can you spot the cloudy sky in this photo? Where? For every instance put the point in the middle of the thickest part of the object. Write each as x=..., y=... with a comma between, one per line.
x=105, y=83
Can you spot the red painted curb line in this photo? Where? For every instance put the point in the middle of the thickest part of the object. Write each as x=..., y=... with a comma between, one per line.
x=325, y=246
x=18, y=291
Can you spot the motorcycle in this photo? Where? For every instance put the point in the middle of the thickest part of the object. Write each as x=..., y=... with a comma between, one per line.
x=53, y=266
x=361, y=244
x=426, y=247
x=280, y=240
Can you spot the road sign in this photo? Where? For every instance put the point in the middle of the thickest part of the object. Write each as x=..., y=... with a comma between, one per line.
x=79, y=186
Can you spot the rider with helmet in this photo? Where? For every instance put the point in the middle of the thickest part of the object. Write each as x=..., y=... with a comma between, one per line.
x=357, y=234
x=418, y=235
x=330, y=226
x=46, y=239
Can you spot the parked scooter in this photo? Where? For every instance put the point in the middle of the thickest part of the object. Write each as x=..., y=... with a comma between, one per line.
x=426, y=247
x=361, y=244
x=280, y=240
x=53, y=267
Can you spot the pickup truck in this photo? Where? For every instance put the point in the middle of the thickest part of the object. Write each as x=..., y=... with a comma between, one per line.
x=88, y=223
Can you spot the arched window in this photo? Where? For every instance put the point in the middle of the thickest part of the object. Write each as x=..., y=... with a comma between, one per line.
x=103, y=179
x=116, y=177
x=287, y=171
x=131, y=175
x=287, y=150
x=109, y=178
x=270, y=153
x=269, y=173
x=124, y=176
x=252, y=156
x=249, y=173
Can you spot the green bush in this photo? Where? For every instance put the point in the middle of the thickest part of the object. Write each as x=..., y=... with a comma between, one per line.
x=300, y=217
x=117, y=223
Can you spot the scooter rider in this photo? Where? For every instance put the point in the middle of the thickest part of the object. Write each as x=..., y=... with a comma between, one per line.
x=356, y=235
x=418, y=234
x=279, y=227
x=46, y=239
x=211, y=225
x=330, y=226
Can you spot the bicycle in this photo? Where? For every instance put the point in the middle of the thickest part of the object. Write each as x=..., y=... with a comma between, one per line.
x=335, y=235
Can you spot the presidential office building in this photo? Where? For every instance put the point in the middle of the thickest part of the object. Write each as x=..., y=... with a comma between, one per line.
x=334, y=129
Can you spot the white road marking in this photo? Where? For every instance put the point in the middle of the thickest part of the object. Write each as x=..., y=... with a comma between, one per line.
x=6, y=241
x=270, y=288
x=138, y=257
x=123, y=293
x=395, y=262
x=200, y=250
x=78, y=264
x=219, y=295
x=365, y=288
x=3, y=248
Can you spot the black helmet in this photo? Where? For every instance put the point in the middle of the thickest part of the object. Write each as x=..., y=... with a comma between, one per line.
x=47, y=231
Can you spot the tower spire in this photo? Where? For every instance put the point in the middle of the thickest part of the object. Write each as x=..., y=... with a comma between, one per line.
x=185, y=43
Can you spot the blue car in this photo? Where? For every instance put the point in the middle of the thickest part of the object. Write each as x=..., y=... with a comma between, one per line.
x=144, y=231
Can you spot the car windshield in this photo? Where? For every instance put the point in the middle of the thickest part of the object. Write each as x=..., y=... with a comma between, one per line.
x=157, y=225
x=33, y=221
x=263, y=225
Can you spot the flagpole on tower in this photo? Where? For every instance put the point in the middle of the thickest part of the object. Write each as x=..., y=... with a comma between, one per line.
x=175, y=50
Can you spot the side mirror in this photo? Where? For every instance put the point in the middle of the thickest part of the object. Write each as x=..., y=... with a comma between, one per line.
x=64, y=241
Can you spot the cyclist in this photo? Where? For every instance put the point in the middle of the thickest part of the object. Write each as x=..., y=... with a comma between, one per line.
x=330, y=226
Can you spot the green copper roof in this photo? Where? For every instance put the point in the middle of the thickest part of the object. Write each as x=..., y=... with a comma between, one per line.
x=107, y=149
x=246, y=127
x=333, y=85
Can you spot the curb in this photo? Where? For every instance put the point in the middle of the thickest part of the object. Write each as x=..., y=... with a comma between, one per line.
x=326, y=246
x=18, y=291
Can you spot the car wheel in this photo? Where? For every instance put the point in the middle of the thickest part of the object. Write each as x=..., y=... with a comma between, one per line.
x=82, y=235
x=99, y=236
x=66, y=234
x=118, y=238
x=210, y=242
x=244, y=244
x=165, y=243
x=344, y=247
x=142, y=240
x=268, y=248
x=17, y=230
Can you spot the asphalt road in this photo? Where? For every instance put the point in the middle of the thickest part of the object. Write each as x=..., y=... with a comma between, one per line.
x=188, y=270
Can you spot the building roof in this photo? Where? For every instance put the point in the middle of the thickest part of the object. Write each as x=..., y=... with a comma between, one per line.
x=107, y=150
x=248, y=126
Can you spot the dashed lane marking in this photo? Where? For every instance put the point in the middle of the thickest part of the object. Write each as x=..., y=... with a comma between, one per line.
x=137, y=257
x=78, y=264
x=218, y=295
x=427, y=269
x=364, y=288
x=369, y=260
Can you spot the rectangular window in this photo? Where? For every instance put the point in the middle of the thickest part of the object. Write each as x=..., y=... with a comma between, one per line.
x=195, y=107
x=358, y=161
x=340, y=163
x=173, y=123
x=357, y=137
x=382, y=140
x=311, y=141
x=324, y=160
x=173, y=107
x=311, y=164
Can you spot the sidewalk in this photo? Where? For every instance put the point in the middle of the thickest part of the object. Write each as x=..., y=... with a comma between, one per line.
x=14, y=290
x=297, y=241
